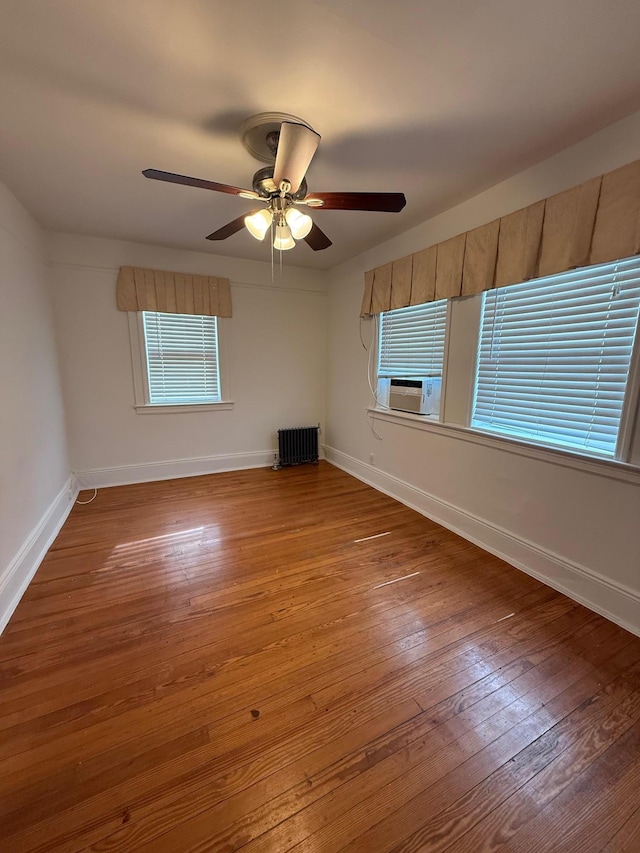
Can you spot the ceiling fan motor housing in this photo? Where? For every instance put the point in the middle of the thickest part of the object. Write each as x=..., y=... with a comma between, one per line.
x=264, y=185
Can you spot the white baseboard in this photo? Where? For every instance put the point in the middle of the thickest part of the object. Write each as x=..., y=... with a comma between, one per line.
x=17, y=576
x=125, y=475
x=614, y=601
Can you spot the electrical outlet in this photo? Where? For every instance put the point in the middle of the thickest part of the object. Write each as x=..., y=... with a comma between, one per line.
x=371, y=458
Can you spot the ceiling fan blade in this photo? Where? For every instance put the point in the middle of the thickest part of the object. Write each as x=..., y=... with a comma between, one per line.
x=230, y=228
x=296, y=146
x=383, y=202
x=172, y=178
x=317, y=239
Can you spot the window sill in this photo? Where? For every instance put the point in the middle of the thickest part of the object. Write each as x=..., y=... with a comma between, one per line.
x=183, y=408
x=569, y=459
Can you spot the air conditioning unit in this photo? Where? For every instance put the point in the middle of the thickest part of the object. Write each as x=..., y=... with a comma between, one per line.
x=419, y=396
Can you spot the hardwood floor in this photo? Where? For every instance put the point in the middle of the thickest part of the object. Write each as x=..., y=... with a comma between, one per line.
x=271, y=661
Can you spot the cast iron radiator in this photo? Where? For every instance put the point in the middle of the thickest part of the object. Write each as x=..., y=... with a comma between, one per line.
x=296, y=446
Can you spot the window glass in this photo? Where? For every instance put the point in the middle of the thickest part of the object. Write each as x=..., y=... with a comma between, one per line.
x=554, y=357
x=412, y=340
x=182, y=362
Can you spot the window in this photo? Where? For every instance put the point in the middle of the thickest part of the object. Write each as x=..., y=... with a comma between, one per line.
x=181, y=362
x=554, y=357
x=412, y=341
x=410, y=358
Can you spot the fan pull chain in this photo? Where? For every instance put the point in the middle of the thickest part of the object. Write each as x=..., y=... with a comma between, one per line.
x=272, y=238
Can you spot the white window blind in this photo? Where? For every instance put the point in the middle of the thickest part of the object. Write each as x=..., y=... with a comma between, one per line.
x=182, y=358
x=412, y=340
x=555, y=355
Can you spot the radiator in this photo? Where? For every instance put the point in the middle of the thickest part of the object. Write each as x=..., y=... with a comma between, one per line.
x=296, y=446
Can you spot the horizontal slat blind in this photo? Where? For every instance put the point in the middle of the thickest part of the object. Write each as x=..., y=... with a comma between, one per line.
x=555, y=354
x=412, y=340
x=182, y=358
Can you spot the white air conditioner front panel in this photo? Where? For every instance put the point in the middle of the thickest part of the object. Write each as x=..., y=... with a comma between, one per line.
x=418, y=396
x=406, y=399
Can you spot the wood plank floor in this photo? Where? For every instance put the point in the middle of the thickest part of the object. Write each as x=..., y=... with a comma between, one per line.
x=272, y=661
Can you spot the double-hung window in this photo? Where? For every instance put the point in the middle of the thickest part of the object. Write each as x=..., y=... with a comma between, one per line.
x=179, y=360
x=411, y=347
x=555, y=355
x=182, y=358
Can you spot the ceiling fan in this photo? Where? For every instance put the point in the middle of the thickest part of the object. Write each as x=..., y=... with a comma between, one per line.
x=288, y=144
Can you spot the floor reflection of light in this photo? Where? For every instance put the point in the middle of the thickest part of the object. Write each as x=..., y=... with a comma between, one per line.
x=376, y=536
x=179, y=542
x=506, y=617
x=395, y=580
x=168, y=538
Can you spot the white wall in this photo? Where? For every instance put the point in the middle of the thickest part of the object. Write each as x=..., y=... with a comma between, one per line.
x=577, y=529
x=34, y=468
x=275, y=352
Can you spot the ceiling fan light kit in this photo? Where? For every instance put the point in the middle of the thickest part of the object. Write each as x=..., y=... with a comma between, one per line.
x=299, y=223
x=289, y=145
x=258, y=223
x=283, y=239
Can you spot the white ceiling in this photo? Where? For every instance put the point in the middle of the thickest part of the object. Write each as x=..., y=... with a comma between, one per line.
x=436, y=98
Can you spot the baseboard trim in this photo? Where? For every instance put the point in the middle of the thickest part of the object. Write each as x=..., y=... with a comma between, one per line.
x=614, y=601
x=18, y=575
x=125, y=475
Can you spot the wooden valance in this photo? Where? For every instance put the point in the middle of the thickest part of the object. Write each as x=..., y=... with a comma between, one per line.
x=141, y=289
x=593, y=223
